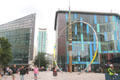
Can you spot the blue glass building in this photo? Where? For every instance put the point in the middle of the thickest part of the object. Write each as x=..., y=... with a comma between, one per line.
x=21, y=35
x=42, y=39
x=107, y=27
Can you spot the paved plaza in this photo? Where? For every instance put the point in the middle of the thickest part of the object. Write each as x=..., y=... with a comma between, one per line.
x=48, y=75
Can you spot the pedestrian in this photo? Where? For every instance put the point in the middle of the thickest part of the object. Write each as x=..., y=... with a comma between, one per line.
x=27, y=70
x=112, y=72
x=35, y=72
x=9, y=71
x=54, y=71
x=14, y=71
x=0, y=74
x=22, y=72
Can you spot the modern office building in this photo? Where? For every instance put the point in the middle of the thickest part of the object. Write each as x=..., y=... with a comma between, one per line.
x=21, y=35
x=107, y=27
x=42, y=40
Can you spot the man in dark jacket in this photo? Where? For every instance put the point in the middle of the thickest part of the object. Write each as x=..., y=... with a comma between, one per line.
x=14, y=71
x=22, y=73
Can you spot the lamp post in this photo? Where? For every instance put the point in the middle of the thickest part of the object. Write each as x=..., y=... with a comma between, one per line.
x=70, y=41
x=39, y=59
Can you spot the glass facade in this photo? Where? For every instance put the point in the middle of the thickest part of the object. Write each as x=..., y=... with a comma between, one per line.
x=42, y=38
x=20, y=34
x=107, y=27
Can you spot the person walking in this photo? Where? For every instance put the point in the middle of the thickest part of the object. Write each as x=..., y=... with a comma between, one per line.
x=22, y=73
x=112, y=72
x=35, y=72
x=14, y=71
x=0, y=74
x=54, y=71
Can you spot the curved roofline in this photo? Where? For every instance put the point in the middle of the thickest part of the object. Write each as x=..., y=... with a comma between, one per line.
x=83, y=12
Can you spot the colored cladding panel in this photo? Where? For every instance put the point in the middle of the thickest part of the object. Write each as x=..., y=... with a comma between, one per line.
x=94, y=46
x=67, y=58
x=113, y=17
x=75, y=29
x=87, y=28
x=105, y=51
x=66, y=17
x=82, y=47
x=105, y=34
x=81, y=24
x=78, y=37
x=94, y=42
x=73, y=47
x=82, y=42
x=99, y=47
x=116, y=26
x=90, y=51
x=118, y=44
x=78, y=55
x=106, y=19
x=95, y=19
x=82, y=37
x=75, y=16
x=98, y=28
x=115, y=35
x=84, y=62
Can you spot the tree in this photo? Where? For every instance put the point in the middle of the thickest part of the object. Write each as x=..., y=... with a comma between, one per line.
x=5, y=51
x=41, y=60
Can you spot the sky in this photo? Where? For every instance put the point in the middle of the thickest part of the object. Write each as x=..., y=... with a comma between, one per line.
x=45, y=11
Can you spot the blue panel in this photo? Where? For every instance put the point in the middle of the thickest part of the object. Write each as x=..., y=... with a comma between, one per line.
x=105, y=51
x=82, y=47
x=106, y=18
x=75, y=16
x=87, y=28
x=81, y=24
x=95, y=19
x=94, y=46
x=105, y=34
x=99, y=47
x=98, y=28
x=90, y=51
x=94, y=42
x=115, y=35
x=79, y=58
x=67, y=58
x=118, y=45
x=73, y=47
x=82, y=37
x=116, y=26
x=75, y=29
x=66, y=17
x=113, y=17
x=94, y=38
x=78, y=37
x=78, y=55
x=84, y=62
x=82, y=42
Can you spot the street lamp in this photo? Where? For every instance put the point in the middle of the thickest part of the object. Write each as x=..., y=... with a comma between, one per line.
x=39, y=59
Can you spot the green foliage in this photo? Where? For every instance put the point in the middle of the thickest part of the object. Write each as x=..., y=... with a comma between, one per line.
x=5, y=51
x=41, y=60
